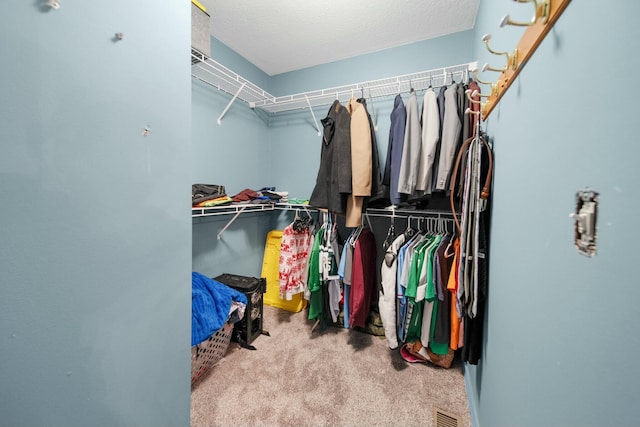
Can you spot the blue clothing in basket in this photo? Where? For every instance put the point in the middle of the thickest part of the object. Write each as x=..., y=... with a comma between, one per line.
x=210, y=304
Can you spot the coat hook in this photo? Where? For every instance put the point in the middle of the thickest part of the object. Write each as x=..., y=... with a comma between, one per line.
x=541, y=13
x=470, y=96
x=487, y=67
x=494, y=87
x=478, y=94
x=470, y=111
x=511, y=57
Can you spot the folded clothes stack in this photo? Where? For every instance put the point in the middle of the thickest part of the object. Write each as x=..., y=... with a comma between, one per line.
x=208, y=195
x=264, y=195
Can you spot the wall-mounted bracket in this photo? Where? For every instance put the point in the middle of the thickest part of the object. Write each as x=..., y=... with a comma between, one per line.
x=315, y=121
x=230, y=102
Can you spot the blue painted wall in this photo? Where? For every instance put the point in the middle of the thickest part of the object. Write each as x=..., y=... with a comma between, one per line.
x=451, y=49
x=561, y=342
x=95, y=252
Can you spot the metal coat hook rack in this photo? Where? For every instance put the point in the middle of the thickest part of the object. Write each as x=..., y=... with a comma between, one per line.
x=546, y=14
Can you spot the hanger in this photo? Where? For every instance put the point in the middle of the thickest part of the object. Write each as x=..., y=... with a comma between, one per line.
x=409, y=231
x=391, y=234
x=422, y=225
x=448, y=251
x=373, y=111
x=356, y=235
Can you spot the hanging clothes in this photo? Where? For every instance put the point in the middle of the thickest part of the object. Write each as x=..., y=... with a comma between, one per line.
x=452, y=284
x=473, y=255
x=411, y=148
x=344, y=271
x=363, y=281
x=466, y=120
x=450, y=134
x=430, y=138
x=424, y=302
x=360, y=162
x=405, y=258
x=436, y=163
x=387, y=296
x=324, y=280
x=377, y=191
x=333, y=182
x=394, y=151
x=468, y=130
x=294, y=252
x=314, y=282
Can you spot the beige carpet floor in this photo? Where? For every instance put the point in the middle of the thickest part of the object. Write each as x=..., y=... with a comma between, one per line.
x=297, y=377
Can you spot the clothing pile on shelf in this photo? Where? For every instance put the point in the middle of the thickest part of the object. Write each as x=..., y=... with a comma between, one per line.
x=210, y=195
x=207, y=195
x=423, y=143
x=264, y=195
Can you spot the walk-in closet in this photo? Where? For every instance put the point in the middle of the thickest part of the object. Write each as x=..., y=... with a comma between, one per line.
x=403, y=213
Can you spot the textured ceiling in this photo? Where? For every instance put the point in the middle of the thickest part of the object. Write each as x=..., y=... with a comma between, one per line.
x=284, y=35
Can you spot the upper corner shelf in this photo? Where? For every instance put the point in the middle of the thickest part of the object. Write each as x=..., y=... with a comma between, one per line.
x=217, y=75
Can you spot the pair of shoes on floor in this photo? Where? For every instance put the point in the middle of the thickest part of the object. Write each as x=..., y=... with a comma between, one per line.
x=415, y=352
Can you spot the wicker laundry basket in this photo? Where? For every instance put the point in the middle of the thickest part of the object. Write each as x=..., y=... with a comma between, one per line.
x=209, y=352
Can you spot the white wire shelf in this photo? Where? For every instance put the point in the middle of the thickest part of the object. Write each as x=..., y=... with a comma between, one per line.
x=231, y=209
x=247, y=208
x=389, y=86
x=222, y=78
x=241, y=208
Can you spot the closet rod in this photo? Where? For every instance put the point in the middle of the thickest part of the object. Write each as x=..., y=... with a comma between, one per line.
x=403, y=213
x=295, y=207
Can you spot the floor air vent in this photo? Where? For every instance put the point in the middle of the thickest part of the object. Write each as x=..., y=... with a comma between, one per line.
x=443, y=418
